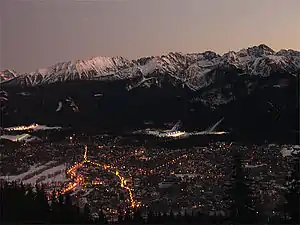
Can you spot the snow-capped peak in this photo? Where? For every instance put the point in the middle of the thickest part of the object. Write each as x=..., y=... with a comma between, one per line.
x=191, y=68
x=101, y=64
x=260, y=50
x=7, y=75
x=289, y=52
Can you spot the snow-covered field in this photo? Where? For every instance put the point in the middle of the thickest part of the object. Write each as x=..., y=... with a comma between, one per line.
x=186, y=175
x=34, y=127
x=25, y=137
x=44, y=127
x=54, y=174
x=59, y=106
x=47, y=173
x=255, y=166
x=19, y=137
x=288, y=151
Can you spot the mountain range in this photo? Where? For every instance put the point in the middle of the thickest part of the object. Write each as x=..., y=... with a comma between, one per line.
x=255, y=89
x=193, y=70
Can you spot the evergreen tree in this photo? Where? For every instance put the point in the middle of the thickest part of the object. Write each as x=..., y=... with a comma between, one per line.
x=120, y=216
x=164, y=218
x=69, y=211
x=292, y=194
x=171, y=218
x=137, y=217
x=87, y=213
x=127, y=218
x=3, y=202
x=120, y=219
x=186, y=218
x=17, y=204
x=42, y=205
x=178, y=218
x=242, y=209
x=58, y=209
x=193, y=218
x=150, y=217
x=201, y=218
x=158, y=218
x=6, y=203
x=54, y=208
x=101, y=219
x=105, y=219
x=30, y=205
x=22, y=202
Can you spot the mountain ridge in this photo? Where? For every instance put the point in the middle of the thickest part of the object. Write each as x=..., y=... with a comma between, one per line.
x=189, y=68
x=256, y=90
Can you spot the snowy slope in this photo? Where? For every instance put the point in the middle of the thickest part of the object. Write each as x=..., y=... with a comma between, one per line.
x=33, y=127
x=46, y=173
x=192, y=69
x=20, y=138
x=6, y=75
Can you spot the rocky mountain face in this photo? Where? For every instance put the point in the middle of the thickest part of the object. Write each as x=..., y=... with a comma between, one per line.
x=193, y=70
x=255, y=89
x=6, y=75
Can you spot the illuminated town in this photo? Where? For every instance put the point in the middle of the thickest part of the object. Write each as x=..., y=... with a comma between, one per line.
x=117, y=174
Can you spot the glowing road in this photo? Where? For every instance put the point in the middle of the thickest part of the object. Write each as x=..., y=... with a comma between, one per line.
x=79, y=180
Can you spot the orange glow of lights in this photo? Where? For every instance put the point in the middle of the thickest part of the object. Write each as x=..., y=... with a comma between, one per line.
x=79, y=179
x=19, y=128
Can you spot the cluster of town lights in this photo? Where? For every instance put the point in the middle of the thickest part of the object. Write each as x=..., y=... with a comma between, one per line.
x=171, y=161
x=79, y=180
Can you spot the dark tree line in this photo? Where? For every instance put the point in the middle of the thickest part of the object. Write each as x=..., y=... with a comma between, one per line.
x=292, y=193
x=244, y=207
x=152, y=217
x=25, y=204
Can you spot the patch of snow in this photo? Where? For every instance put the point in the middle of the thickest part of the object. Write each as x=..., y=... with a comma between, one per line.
x=24, y=93
x=33, y=127
x=255, y=166
x=72, y=104
x=54, y=174
x=149, y=67
x=82, y=202
x=289, y=151
x=44, y=127
x=88, y=192
x=286, y=152
x=20, y=138
x=186, y=175
x=3, y=99
x=31, y=170
x=59, y=106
